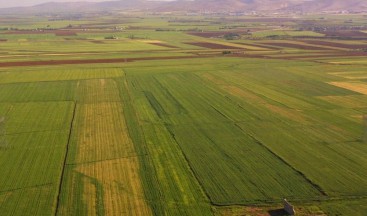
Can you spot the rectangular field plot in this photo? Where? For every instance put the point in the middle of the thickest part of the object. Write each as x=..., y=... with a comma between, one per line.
x=100, y=134
x=97, y=90
x=36, y=157
x=43, y=74
x=102, y=174
x=202, y=123
x=109, y=187
x=37, y=117
x=38, y=200
x=37, y=91
x=238, y=120
x=32, y=156
x=354, y=75
x=353, y=86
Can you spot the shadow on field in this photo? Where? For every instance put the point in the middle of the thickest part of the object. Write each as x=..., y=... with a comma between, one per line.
x=277, y=212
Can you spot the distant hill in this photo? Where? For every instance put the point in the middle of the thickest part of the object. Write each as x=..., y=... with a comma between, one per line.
x=330, y=5
x=198, y=5
x=228, y=5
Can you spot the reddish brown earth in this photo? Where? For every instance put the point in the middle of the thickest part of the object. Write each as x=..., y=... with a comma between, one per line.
x=3, y=40
x=337, y=54
x=344, y=34
x=338, y=45
x=96, y=42
x=296, y=46
x=212, y=45
x=65, y=33
x=163, y=45
x=261, y=46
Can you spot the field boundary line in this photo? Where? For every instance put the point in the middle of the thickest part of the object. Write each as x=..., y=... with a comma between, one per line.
x=65, y=160
x=94, y=61
x=201, y=186
x=109, y=159
x=25, y=188
x=316, y=186
x=41, y=131
x=61, y=80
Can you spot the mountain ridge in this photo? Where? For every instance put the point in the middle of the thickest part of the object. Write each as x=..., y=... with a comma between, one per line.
x=306, y=6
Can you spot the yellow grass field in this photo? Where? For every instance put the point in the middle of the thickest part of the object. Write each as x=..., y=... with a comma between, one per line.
x=353, y=86
x=104, y=173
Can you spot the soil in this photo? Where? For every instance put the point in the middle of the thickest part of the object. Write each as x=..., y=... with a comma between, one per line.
x=163, y=45
x=296, y=46
x=338, y=45
x=212, y=45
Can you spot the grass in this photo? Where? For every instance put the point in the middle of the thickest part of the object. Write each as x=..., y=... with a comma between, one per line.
x=36, y=136
x=220, y=135
x=286, y=33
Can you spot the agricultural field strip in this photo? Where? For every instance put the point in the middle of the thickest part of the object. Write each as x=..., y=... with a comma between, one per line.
x=40, y=169
x=190, y=161
x=167, y=175
x=65, y=159
x=263, y=102
x=304, y=45
x=108, y=174
x=353, y=86
x=25, y=188
x=45, y=75
x=355, y=75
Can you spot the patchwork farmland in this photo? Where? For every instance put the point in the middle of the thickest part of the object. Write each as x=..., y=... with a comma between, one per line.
x=181, y=123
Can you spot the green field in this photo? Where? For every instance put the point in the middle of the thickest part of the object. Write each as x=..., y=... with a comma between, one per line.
x=129, y=127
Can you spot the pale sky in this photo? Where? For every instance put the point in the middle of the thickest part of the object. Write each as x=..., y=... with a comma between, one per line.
x=16, y=3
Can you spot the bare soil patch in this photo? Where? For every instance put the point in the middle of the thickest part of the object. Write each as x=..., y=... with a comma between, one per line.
x=334, y=44
x=296, y=46
x=97, y=42
x=261, y=46
x=212, y=45
x=163, y=45
x=65, y=33
x=344, y=34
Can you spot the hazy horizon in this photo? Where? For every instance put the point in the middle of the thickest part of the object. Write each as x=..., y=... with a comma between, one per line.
x=7, y=3
x=24, y=3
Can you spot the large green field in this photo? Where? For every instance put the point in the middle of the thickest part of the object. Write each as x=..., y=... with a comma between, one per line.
x=175, y=122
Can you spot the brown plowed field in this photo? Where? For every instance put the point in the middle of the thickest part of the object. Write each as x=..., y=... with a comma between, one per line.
x=163, y=45
x=296, y=46
x=97, y=42
x=338, y=45
x=212, y=45
x=344, y=34
x=65, y=33
x=261, y=46
x=337, y=54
